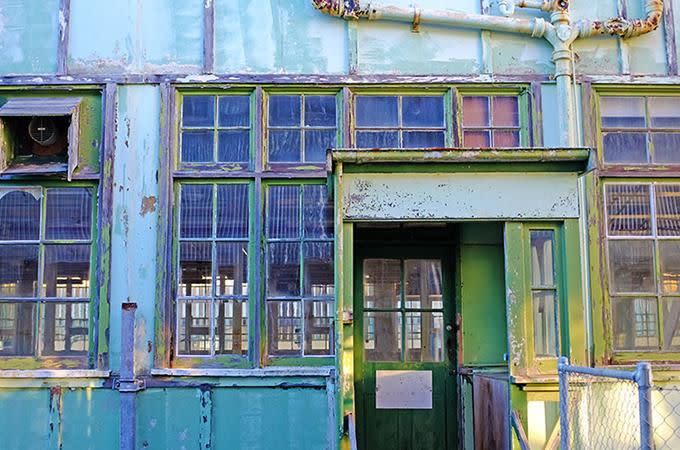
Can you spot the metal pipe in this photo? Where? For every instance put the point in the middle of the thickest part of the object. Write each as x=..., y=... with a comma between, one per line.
x=621, y=26
x=643, y=377
x=562, y=365
x=128, y=404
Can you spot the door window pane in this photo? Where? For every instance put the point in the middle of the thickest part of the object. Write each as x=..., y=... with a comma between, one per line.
x=284, y=327
x=542, y=258
x=382, y=283
x=19, y=214
x=545, y=323
x=628, y=210
x=631, y=266
x=319, y=328
x=382, y=336
x=424, y=336
x=635, y=323
x=423, y=284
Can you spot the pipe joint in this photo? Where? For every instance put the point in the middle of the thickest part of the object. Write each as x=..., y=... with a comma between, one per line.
x=506, y=7
x=624, y=27
x=347, y=9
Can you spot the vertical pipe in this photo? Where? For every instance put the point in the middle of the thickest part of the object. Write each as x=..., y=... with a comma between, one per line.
x=566, y=110
x=643, y=376
x=564, y=402
x=128, y=407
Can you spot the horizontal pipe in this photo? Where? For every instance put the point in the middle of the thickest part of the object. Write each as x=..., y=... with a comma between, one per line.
x=620, y=26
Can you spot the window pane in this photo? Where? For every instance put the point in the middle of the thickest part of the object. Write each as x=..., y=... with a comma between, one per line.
x=231, y=328
x=628, y=210
x=668, y=209
x=622, y=112
x=67, y=271
x=232, y=211
x=19, y=214
x=197, y=146
x=664, y=112
x=476, y=111
x=64, y=329
x=196, y=211
x=233, y=146
x=377, y=139
x=671, y=323
x=631, y=266
x=318, y=212
x=319, y=331
x=69, y=213
x=284, y=145
x=283, y=269
x=424, y=336
x=18, y=270
x=502, y=138
x=195, y=265
x=626, y=147
x=234, y=111
x=505, y=112
x=545, y=323
x=16, y=329
x=423, y=139
x=635, y=324
x=477, y=139
x=283, y=212
x=542, y=258
x=382, y=336
x=422, y=112
x=320, y=110
x=423, y=284
x=284, y=110
x=232, y=268
x=198, y=111
x=377, y=111
x=666, y=147
x=193, y=323
x=669, y=256
x=317, y=142
x=318, y=269
x=284, y=328
x=382, y=283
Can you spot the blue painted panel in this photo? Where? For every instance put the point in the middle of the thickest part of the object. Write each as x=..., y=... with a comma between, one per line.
x=168, y=419
x=29, y=36
x=24, y=418
x=90, y=419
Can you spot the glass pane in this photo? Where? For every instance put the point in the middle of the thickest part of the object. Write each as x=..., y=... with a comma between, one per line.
x=628, y=210
x=197, y=146
x=422, y=112
x=476, y=111
x=317, y=142
x=423, y=139
x=505, y=112
x=232, y=268
x=668, y=209
x=377, y=111
x=18, y=270
x=666, y=147
x=195, y=265
x=377, y=139
x=64, y=329
x=284, y=326
x=382, y=283
x=196, y=211
x=198, y=111
x=626, y=147
x=622, y=112
x=424, y=336
x=671, y=323
x=545, y=323
x=17, y=322
x=69, y=213
x=382, y=336
x=635, y=324
x=318, y=269
x=234, y=111
x=542, y=258
x=284, y=110
x=423, y=284
x=320, y=110
x=502, y=138
x=631, y=266
x=232, y=211
x=193, y=327
x=669, y=259
x=283, y=212
x=231, y=328
x=318, y=212
x=283, y=269
x=233, y=146
x=477, y=139
x=284, y=145
x=19, y=214
x=664, y=112
x=319, y=331
x=67, y=271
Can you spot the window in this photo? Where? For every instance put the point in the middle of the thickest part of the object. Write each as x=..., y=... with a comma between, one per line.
x=544, y=293
x=643, y=227
x=491, y=121
x=46, y=236
x=640, y=130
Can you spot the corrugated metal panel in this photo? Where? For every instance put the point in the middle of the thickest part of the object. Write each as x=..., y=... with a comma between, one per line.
x=39, y=106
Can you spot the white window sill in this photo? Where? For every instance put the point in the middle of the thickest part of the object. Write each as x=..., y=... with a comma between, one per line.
x=61, y=373
x=247, y=373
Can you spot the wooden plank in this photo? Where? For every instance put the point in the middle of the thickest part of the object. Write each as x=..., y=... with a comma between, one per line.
x=491, y=406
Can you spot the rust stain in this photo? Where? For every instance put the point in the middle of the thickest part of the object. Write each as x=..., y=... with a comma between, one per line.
x=148, y=205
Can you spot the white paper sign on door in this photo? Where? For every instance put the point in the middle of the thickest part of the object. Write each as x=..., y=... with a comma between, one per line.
x=403, y=389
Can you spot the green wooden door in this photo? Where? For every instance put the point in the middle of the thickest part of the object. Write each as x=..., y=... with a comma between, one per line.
x=405, y=353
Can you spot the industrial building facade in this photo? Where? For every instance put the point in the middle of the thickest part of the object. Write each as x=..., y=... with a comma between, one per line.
x=238, y=224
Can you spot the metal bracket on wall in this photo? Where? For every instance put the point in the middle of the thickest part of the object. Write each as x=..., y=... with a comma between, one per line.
x=138, y=384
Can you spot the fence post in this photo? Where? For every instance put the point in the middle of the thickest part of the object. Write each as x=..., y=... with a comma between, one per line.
x=564, y=402
x=643, y=376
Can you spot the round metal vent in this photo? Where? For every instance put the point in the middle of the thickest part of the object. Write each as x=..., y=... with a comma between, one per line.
x=43, y=130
